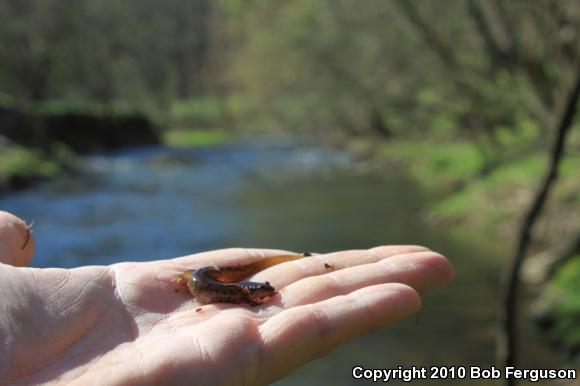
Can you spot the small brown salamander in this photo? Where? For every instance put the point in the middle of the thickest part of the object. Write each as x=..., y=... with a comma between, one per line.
x=213, y=284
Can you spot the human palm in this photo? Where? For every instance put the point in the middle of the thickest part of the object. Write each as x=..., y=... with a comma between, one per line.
x=125, y=324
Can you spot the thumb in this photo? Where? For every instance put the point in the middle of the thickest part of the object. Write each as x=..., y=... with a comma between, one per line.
x=16, y=240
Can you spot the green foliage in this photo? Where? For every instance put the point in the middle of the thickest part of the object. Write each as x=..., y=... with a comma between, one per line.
x=493, y=195
x=570, y=165
x=197, y=112
x=562, y=295
x=80, y=107
x=137, y=52
x=437, y=164
x=21, y=162
x=525, y=131
x=489, y=201
x=394, y=69
x=389, y=67
x=28, y=165
x=195, y=137
x=502, y=183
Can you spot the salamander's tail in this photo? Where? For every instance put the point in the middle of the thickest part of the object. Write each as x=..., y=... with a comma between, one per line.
x=240, y=272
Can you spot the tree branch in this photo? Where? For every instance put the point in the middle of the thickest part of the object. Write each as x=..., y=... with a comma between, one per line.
x=509, y=35
x=429, y=35
x=495, y=53
x=507, y=343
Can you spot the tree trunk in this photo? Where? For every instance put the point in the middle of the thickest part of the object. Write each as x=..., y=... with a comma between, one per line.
x=508, y=339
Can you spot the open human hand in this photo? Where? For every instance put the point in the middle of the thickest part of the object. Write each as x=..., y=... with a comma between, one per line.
x=124, y=324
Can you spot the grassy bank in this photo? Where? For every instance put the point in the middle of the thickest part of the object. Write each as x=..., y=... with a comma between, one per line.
x=41, y=140
x=563, y=306
x=493, y=204
x=22, y=167
x=38, y=140
x=195, y=137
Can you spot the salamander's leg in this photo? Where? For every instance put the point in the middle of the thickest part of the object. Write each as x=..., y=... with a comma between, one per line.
x=250, y=302
x=178, y=280
x=181, y=280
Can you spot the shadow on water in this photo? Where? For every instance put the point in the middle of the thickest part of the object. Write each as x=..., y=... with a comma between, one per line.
x=160, y=203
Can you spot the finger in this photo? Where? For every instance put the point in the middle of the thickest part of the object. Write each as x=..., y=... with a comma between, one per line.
x=167, y=269
x=420, y=270
x=303, y=333
x=16, y=240
x=290, y=272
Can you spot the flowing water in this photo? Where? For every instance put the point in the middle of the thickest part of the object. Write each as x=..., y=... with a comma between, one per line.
x=161, y=203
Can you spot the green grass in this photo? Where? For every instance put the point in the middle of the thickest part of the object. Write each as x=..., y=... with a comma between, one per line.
x=201, y=111
x=437, y=165
x=499, y=188
x=198, y=137
x=562, y=294
x=21, y=162
x=483, y=203
x=501, y=183
x=81, y=107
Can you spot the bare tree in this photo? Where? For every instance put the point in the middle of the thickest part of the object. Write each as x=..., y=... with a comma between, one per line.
x=507, y=343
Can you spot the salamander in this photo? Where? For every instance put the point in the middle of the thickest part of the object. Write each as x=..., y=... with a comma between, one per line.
x=213, y=284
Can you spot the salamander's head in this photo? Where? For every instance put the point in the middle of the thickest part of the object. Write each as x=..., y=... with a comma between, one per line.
x=262, y=290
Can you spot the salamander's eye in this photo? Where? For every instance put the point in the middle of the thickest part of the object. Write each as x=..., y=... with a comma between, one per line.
x=267, y=286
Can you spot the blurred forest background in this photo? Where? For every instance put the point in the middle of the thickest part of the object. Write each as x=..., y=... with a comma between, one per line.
x=467, y=94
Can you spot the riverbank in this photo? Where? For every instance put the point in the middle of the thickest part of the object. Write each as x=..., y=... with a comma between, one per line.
x=24, y=166
x=43, y=140
x=493, y=204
